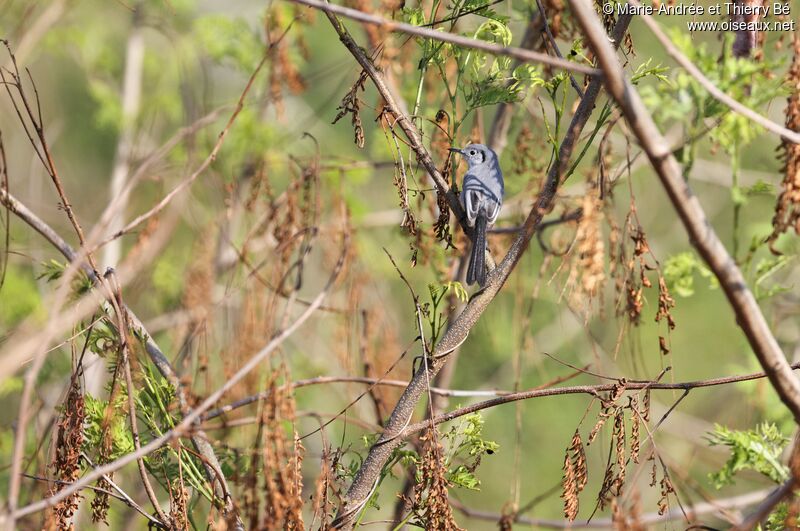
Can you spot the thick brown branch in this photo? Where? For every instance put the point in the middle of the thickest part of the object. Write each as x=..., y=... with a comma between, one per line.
x=701, y=233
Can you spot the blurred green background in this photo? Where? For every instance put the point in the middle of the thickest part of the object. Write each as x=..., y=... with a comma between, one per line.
x=198, y=57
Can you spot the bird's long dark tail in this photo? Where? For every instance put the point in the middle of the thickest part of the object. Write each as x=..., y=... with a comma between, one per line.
x=477, y=260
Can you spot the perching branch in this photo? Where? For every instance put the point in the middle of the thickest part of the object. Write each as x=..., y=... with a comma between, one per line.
x=408, y=127
x=701, y=234
x=363, y=484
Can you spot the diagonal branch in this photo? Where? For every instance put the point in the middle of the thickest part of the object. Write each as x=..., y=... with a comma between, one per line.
x=189, y=422
x=199, y=439
x=408, y=127
x=701, y=233
x=366, y=478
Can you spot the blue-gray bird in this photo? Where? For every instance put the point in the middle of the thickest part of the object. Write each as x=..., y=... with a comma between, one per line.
x=482, y=196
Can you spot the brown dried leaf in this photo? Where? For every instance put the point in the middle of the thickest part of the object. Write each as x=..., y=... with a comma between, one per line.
x=66, y=464
x=579, y=461
x=619, y=445
x=634, y=407
x=787, y=208
x=569, y=489
x=350, y=104
x=666, y=490
x=431, y=503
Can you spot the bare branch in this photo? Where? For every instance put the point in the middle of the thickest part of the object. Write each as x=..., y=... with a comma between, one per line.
x=592, y=390
x=322, y=380
x=120, y=495
x=699, y=228
x=527, y=56
x=212, y=156
x=716, y=507
x=766, y=506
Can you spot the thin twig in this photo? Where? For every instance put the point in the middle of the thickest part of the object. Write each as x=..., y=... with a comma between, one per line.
x=714, y=507
x=322, y=380
x=118, y=495
x=123, y=331
x=498, y=133
x=766, y=506
x=554, y=46
x=593, y=390
x=43, y=152
x=405, y=123
x=495, y=49
x=212, y=156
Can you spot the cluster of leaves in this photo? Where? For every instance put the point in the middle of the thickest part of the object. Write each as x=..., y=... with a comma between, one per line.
x=459, y=452
x=108, y=420
x=479, y=79
x=54, y=270
x=679, y=272
x=682, y=98
x=465, y=446
x=758, y=449
x=681, y=269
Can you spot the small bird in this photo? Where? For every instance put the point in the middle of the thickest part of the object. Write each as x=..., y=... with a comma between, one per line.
x=482, y=196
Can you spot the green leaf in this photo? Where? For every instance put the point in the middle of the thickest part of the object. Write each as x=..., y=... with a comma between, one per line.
x=679, y=271
x=462, y=477
x=759, y=449
x=494, y=31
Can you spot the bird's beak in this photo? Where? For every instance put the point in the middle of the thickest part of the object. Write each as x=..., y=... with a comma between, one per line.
x=456, y=150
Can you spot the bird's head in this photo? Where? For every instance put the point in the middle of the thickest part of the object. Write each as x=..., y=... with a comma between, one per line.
x=477, y=154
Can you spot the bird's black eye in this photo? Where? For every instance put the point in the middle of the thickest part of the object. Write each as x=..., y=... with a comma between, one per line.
x=472, y=152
